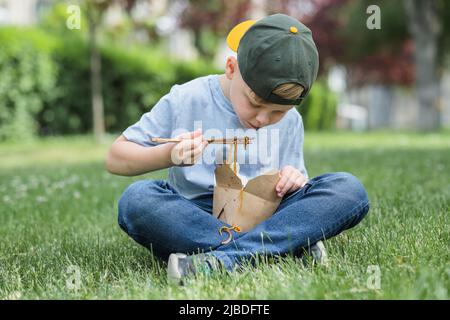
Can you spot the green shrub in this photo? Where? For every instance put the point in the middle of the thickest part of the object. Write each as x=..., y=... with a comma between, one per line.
x=319, y=109
x=70, y=112
x=28, y=81
x=45, y=83
x=133, y=80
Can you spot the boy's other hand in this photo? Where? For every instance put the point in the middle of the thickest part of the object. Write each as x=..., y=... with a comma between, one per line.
x=290, y=180
x=187, y=152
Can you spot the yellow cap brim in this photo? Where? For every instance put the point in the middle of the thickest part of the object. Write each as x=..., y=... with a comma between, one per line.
x=236, y=34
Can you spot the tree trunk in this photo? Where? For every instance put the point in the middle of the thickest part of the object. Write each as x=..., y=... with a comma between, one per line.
x=96, y=81
x=425, y=27
x=380, y=106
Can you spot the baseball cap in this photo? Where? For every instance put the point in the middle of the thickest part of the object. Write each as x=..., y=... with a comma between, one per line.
x=272, y=51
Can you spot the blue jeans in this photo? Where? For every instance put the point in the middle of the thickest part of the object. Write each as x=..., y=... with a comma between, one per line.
x=156, y=216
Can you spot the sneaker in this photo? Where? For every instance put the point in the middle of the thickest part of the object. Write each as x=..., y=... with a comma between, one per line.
x=182, y=266
x=319, y=254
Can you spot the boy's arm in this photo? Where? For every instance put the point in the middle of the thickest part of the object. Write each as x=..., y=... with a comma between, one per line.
x=127, y=158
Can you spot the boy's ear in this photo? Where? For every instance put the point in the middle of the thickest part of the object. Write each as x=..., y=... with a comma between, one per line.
x=231, y=67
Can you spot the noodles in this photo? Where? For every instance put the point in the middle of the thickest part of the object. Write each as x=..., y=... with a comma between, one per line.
x=241, y=192
x=241, y=198
x=228, y=162
x=235, y=154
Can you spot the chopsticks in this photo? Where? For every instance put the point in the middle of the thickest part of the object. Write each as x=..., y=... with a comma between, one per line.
x=245, y=140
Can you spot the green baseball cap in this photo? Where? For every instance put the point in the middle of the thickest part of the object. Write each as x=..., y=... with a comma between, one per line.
x=272, y=51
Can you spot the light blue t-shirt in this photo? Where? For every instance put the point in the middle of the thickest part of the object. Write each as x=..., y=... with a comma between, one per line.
x=200, y=103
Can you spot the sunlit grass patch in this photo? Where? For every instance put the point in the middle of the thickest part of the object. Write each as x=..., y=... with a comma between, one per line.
x=60, y=238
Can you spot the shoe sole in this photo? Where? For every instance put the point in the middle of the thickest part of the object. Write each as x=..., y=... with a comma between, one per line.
x=323, y=259
x=173, y=272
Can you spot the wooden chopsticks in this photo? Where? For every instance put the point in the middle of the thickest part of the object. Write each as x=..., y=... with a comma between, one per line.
x=245, y=140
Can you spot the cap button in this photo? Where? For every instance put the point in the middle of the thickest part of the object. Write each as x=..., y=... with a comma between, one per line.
x=293, y=29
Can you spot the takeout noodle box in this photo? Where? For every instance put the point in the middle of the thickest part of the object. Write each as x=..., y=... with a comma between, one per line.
x=257, y=201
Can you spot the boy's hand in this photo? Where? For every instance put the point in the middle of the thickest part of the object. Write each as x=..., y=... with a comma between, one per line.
x=187, y=152
x=291, y=180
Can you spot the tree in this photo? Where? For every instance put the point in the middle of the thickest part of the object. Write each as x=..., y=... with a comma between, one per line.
x=425, y=27
x=410, y=46
x=210, y=20
x=94, y=13
x=95, y=10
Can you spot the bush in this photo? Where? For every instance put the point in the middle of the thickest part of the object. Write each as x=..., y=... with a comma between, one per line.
x=45, y=83
x=133, y=80
x=28, y=81
x=319, y=108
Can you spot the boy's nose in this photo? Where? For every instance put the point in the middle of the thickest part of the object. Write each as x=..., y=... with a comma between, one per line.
x=262, y=120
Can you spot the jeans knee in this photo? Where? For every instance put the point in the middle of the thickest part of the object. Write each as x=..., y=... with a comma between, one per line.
x=127, y=203
x=352, y=188
x=123, y=205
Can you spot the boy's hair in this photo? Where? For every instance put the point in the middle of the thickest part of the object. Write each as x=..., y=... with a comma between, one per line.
x=290, y=91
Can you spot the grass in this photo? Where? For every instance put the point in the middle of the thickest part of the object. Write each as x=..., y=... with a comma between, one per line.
x=58, y=213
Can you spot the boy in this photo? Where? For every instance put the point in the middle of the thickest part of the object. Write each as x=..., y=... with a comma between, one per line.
x=276, y=65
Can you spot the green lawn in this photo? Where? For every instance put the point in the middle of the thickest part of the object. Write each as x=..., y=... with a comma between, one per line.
x=58, y=213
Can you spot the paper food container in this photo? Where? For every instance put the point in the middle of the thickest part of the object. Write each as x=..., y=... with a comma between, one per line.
x=247, y=208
